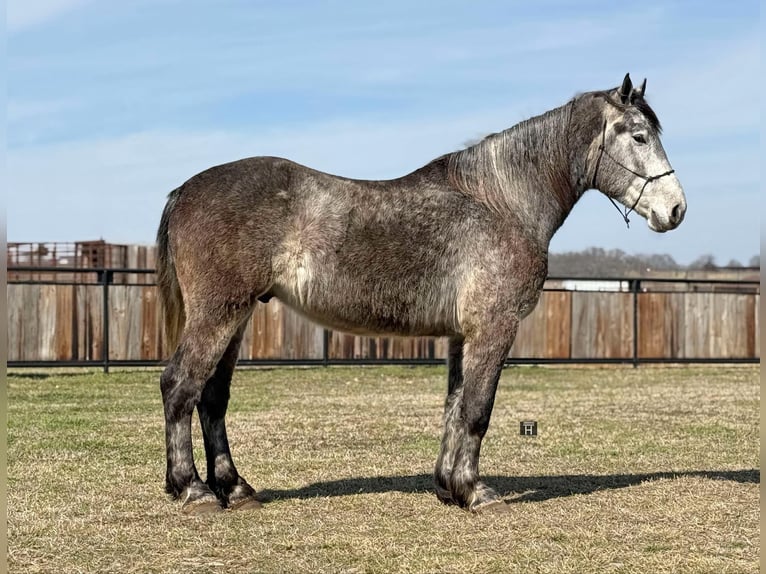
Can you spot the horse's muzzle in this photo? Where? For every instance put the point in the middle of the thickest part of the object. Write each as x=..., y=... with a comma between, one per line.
x=662, y=220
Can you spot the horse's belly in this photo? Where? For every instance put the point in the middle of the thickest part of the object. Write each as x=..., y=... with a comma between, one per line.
x=325, y=269
x=352, y=307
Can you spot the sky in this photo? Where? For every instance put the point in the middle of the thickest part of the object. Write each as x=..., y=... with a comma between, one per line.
x=111, y=105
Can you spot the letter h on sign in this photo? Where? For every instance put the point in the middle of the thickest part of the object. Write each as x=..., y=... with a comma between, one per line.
x=528, y=428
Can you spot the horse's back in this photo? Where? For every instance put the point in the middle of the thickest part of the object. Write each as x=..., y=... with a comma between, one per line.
x=365, y=256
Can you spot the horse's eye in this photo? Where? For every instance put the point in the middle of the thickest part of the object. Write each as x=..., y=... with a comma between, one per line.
x=639, y=138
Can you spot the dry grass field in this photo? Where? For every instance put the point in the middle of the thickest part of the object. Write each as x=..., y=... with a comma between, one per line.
x=634, y=471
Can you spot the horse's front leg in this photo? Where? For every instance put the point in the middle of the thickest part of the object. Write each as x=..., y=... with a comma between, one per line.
x=446, y=459
x=475, y=364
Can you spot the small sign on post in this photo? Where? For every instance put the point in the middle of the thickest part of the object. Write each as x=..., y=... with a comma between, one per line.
x=528, y=428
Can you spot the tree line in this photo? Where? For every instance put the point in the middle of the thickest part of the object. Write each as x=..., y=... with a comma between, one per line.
x=596, y=261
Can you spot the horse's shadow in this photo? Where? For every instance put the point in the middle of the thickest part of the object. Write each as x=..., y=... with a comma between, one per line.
x=514, y=488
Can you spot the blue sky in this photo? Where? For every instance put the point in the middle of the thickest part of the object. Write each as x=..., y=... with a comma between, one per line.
x=113, y=104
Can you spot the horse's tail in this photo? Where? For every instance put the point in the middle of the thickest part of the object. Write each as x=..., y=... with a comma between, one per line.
x=171, y=301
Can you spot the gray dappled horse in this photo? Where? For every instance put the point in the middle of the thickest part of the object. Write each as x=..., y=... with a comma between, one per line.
x=457, y=248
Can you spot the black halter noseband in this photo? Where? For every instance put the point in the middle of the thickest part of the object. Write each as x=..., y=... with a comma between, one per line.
x=602, y=150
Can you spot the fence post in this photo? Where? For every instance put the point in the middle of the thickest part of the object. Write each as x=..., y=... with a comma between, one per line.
x=325, y=347
x=635, y=285
x=106, y=276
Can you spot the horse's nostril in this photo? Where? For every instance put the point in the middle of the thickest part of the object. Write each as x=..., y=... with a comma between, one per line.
x=675, y=214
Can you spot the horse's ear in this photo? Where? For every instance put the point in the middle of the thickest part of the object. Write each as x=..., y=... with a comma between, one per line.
x=626, y=89
x=638, y=93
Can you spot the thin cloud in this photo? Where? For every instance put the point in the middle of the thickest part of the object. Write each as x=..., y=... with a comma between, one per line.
x=24, y=14
x=714, y=93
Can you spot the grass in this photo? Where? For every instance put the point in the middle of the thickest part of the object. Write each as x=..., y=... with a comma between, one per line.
x=634, y=471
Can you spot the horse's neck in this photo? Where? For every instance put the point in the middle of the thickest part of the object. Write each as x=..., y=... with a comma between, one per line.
x=524, y=173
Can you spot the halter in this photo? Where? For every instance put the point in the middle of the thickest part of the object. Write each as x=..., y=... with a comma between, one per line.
x=647, y=179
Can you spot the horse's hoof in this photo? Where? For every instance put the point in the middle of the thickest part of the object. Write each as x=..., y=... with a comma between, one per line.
x=201, y=507
x=492, y=507
x=247, y=503
x=445, y=496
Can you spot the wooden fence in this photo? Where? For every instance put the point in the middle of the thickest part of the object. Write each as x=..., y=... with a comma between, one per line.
x=65, y=322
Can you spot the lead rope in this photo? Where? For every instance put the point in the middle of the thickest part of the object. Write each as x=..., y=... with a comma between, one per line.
x=647, y=179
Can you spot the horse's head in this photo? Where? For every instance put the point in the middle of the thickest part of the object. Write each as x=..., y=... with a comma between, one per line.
x=630, y=162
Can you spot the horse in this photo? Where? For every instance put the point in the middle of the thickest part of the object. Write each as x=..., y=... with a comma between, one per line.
x=457, y=248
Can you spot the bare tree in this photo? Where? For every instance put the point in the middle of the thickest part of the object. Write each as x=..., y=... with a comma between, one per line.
x=596, y=261
x=706, y=261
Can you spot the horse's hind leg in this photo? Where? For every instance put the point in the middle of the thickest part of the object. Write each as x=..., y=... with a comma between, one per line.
x=467, y=412
x=206, y=336
x=222, y=476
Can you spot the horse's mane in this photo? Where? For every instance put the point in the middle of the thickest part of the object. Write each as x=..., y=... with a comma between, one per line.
x=502, y=163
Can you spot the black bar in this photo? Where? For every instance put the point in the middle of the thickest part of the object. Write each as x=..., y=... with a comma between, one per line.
x=656, y=280
x=32, y=268
x=325, y=347
x=400, y=362
x=97, y=283
x=635, y=287
x=84, y=363
x=106, y=279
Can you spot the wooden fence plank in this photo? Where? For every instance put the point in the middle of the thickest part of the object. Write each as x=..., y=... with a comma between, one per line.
x=558, y=324
x=677, y=324
x=94, y=322
x=64, y=324
x=30, y=325
x=700, y=327
x=15, y=295
x=246, y=345
x=267, y=332
x=653, y=325
x=46, y=333
x=133, y=263
x=150, y=347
